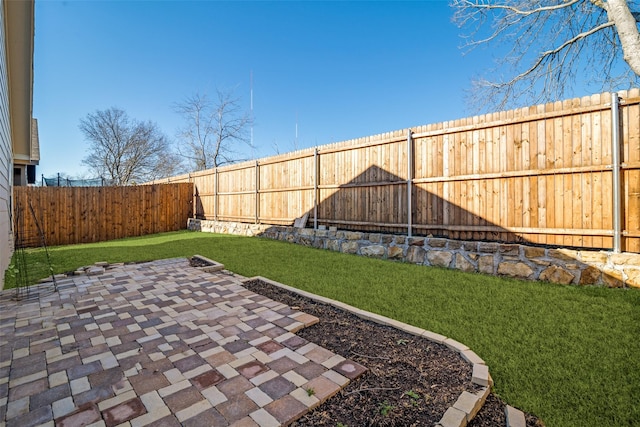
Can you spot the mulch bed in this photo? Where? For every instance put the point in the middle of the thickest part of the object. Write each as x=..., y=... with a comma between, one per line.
x=411, y=381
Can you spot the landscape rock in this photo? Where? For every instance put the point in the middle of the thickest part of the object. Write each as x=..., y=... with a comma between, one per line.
x=559, y=265
x=350, y=247
x=306, y=241
x=563, y=254
x=593, y=257
x=352, y=235
x=533, y=252
x=463, y=264
x=333, y=245
x=306, y=232
x=437, y=243
x=625, y=259
x=470, y=246
x=454, y=244
x=555, y=274
x=612, y=278
x=440, y=258
x=395, y=252
x=374, y=251
x=513, y=250
x=633, y=277
x=487, y=247
x=319, y=243
x=590, y=276
x=415, y=254
x=515, y=269
x=486, y=264
x=416, y=241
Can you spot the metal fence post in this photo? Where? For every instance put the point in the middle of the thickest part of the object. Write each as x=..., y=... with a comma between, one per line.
x=615, y=156
x=257, y=193
x=316, y=166
x=409, y=183
x=216, y=200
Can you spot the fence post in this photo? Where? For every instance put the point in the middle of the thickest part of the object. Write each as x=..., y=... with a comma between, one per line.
x=615, y=155
x=409, y=183
x=257, y=193
x=215, y=196
x=316, y=166
x=194, y=200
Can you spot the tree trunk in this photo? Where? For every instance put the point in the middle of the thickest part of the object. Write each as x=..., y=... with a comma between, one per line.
x=618, y=12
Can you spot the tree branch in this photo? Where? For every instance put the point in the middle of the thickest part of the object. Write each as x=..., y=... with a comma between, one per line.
x=550, y=45
x=517, y=11
x=550, y=53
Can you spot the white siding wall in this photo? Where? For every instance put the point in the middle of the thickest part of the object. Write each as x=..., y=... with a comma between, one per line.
x=6, y=165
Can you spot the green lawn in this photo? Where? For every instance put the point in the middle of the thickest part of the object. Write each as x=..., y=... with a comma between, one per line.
x=570, y=355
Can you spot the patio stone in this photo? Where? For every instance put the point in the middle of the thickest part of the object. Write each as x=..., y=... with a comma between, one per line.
x=277, y=387
x=32, y=418
x=183, y=399
x=310, y=370
x=207, y=379
x=168, y=421
x=319, y=355
x=95, y=394
x=193, y=410
x=106, y=378
x=28, y=389
x=286, y=410
x=210, y=417
x=260, y=418
x=238, y=408
x=85, y=415
x=251, y=369
x=83, y=370
x=270, y=347
x=147, y=381
x=157, y=344
x=294, y=342
x=235, y=386
x=350, y=369
x=124, y=412
x=322, y=387
x=49, y=396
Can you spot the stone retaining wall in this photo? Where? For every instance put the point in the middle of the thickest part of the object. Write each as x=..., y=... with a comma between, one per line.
x=557, y=265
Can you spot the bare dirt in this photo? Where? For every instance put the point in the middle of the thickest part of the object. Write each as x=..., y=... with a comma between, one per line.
x=411, y=381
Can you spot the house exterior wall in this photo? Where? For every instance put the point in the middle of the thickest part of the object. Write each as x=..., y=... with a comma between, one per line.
x=19, y=39
x=6, y=163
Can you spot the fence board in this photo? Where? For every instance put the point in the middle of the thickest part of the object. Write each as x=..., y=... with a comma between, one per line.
x=70, y=215
x=540, y=174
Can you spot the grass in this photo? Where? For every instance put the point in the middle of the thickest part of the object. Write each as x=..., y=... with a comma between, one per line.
x=570, y=355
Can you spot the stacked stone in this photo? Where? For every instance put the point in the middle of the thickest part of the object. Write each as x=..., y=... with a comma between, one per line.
x=557, y=265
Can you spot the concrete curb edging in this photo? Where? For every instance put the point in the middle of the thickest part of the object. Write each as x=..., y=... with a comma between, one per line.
x=515, y=417
x=468, y=404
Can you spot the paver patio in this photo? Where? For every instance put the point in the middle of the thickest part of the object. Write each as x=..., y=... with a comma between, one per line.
x=159, y=343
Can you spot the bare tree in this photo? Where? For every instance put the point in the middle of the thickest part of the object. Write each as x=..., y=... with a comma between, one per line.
x=549, y=43
x=213, y=130
x=126, y=150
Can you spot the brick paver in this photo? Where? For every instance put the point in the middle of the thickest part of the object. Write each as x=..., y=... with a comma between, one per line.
x=159, y=344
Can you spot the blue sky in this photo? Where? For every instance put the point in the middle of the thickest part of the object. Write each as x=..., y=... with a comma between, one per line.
x=344, y=69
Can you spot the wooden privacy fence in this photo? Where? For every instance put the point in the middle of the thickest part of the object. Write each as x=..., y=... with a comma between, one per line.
x=546, y=174
x=69, y=215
